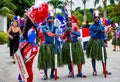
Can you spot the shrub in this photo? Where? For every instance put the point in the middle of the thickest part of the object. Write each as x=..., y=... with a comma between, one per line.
x=3, y=37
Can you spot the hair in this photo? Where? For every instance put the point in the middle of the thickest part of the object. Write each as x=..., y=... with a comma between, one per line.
x=87, y=22
x=16, y=22
x=28, y=26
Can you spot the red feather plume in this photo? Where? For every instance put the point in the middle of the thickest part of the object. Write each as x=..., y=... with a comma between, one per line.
x=75, y=20
x=38, y=14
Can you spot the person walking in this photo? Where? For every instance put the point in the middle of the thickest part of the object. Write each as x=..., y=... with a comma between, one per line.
x=14, y=33
x=28, y=44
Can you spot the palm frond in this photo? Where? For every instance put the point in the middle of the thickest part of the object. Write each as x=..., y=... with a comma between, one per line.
x=112, y=2
x=96, y=2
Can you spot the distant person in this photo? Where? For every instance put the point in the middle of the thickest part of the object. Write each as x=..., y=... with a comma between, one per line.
x=14, y=35
x=86, y=32
x=86, y=24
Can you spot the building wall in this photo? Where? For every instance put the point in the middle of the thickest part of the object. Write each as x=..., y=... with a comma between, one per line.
x=3, y=23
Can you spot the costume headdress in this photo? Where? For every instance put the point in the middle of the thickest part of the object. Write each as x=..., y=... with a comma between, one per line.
x=21, y=21
x=38, y=13
x=16, y=18
x=74, y=20
x=66, y=11
x=104, y=20
x=96, y=13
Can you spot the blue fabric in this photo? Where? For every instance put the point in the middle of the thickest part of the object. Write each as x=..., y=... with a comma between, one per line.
x=32, y=37
x=76, y=35
x=50, y=18
x=95, y=33
x=65, y=12
x=46, y=29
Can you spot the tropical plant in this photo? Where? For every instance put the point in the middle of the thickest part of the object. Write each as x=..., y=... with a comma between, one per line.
x=117, y=11
x=22, y=5
x=56, y=4
x=7, y=8
x=79, y=17
x=3, y=37
x=84, y=2
x=105, y=5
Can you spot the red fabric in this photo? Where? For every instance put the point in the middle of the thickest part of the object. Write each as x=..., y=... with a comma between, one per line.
x=38, y=14
x=65, y=35
x=34, y=50
x=75, y=28
x=85, y=32
x=30, y=63
x=41, y=36
x=75, y=20
x=26, y=50
x=29, y=70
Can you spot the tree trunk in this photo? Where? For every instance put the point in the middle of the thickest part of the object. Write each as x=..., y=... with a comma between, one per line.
x=85, y=18
x=105, y=8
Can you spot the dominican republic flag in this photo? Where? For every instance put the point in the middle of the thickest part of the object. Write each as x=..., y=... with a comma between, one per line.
x=85, y=36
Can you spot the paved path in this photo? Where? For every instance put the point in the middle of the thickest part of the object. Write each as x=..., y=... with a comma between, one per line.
x=9, y=71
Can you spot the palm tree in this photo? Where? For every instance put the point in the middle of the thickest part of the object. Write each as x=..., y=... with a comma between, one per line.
x=56, y=4
x=7, y=8
x=105, y=5
x=84, y=2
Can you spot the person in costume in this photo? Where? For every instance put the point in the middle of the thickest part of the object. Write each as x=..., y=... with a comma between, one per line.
x=116, y=39
x=28, y=44
x=14, y=35
x=104, y=23
x=112, y=28
x=71, y=34
x=46, y=52
x=94, y=47
x=30, y=47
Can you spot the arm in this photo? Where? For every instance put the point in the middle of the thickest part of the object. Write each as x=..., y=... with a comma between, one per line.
x=76, y=31
x=47, y=32
x=28, y=50
x=93, y=34
x=8, y=33
x=20, y=32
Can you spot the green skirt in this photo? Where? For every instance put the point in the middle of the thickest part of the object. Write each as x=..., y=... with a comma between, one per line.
x=46, y=57
x=77, y=53
x=94, y=49
x=116, y=41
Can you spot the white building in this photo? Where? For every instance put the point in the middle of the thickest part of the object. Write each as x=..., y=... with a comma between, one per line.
x=3, y=23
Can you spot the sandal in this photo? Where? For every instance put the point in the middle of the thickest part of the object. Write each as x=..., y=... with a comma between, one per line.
x=44, y=77
x=81, y=75
x=14, y=62
x=94, y=73
x=53, y=76
x=70, y=74
x=108, y=73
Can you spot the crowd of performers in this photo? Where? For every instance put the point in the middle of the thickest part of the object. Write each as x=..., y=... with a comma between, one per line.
x=55, y=40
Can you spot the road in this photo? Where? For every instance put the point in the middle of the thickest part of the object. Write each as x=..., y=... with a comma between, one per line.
x=9, y=71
